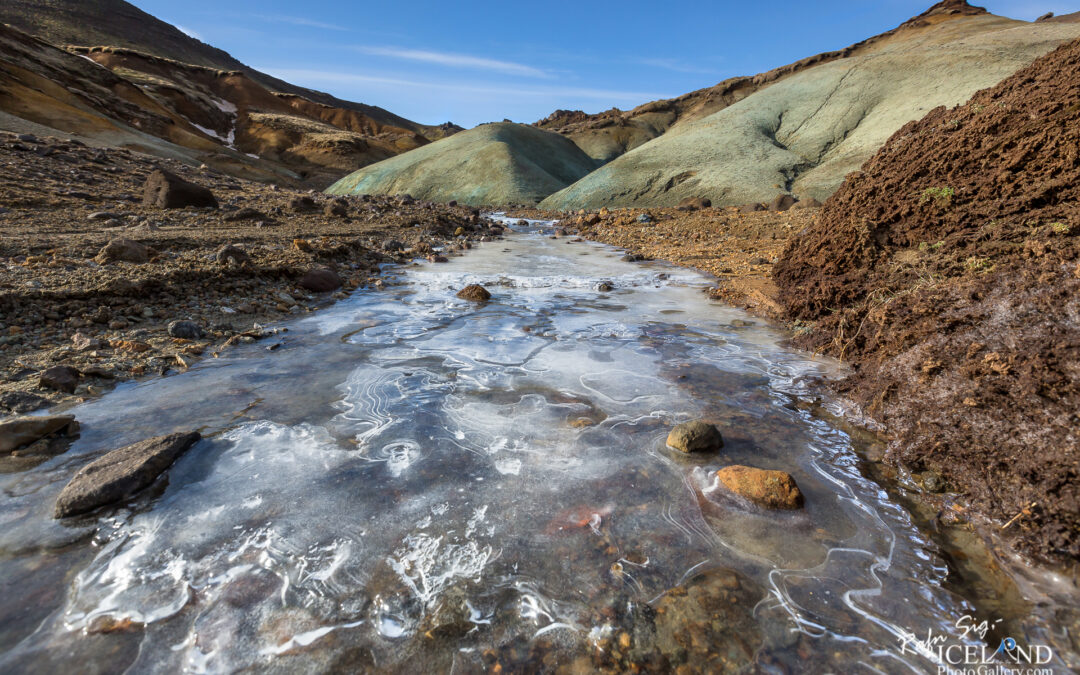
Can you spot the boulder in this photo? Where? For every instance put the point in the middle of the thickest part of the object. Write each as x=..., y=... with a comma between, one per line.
x=782, y=203
x=121, y=473
x=768, y=489
x=231, y=254
x=16, y=432
x=60, y=378
x=751, y=208
x=339, y=207
x=475, y=293
x=19, y=402
x=186, y=330
x=320, y=280
x=694, y=204
x=302, y=204
x=245, y=213
x=808, y=203
x=168, y=191
x=124, y=250
x=696, y=436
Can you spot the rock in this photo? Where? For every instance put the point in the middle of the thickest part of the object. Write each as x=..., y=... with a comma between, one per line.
x=82, y=342
x=633, y=257
x=696, y=436
x=782, y=203
x=605, y=287
x=19, y=402
x=60, y=378
x=103, y=215
x=28, y=138
x=320, y=280
x=124, y=250
x=644, y=218
x=245, y=213
x=392, y=246
x=475, y=293
x=186, y=330
x=808, y=203
x=1045, y=17
x=452, y=202
x=460, y=231
x=231, y=254
x=751, y=208
x=338, y=207
x=302, y=204
x=15, y=432
x=694, y=204
x=168, y=191
x=768, y=489
x=303, y=245
x=121, y=473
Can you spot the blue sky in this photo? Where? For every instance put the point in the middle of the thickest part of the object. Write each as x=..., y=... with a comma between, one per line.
x=473, y=62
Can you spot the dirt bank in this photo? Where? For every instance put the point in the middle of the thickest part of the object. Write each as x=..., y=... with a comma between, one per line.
x=947, y=272
x=61, y=203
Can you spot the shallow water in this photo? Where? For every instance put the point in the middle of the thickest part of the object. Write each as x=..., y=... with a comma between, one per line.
x=416, y=481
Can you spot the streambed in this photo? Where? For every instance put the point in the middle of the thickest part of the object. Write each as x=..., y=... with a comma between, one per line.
x=416, y=482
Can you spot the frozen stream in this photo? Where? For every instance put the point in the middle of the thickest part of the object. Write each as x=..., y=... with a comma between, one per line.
x=416, y=483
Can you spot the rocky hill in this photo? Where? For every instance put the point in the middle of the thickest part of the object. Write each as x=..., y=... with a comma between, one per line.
x=501, y=163
x=799, y=130
x=161, y=92
x=948, y=270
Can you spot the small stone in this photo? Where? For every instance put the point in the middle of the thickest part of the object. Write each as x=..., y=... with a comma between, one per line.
x=103, y=215
x=302, y=245
x=604, y=287
x=694, y=204
x=782, y=203
x=338, y=208
x=644, y=218
x=768, y=489
x=302, y=204
x=475, y=293
x=186, y=330
x=245, y=213
x=460, y=231
x=695, y=436
x=121, y=473
x=20, y=402
x=84, y=343
x=808, y=203
x=60, y=378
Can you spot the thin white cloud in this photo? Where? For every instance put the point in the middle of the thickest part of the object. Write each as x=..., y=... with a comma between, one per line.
x=300, y=21
x=328, y=77
x=456, y=60
x=188, y=32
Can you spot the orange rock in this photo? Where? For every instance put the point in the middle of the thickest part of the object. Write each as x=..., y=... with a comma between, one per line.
x=768, y=489
x=129, y=346
x=302, y=245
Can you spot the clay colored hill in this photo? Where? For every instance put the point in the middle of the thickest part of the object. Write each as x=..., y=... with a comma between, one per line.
x=172, y=96
x=501, y=163
x=802, y=128
x=948, y=271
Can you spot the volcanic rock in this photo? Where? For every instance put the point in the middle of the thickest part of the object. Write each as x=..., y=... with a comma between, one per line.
x=166, y=190
x=475, y=293
x=186, y=330
x=15, y=432
x=124, y=250
x=695, y=436
x=320, y=280
x=60, y=378
x=782, y=203
x=121, y=473
x=694, y=204
x=767, y=489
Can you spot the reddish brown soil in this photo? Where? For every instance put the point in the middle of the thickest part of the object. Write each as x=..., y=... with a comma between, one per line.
x=947, y=272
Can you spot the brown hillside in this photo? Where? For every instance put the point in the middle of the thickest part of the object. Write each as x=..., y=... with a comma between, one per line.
x=948, y=271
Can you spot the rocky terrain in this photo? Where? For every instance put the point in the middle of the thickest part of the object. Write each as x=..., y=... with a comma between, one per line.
x=502, y=163
x=93, y=278
x=948, y=272
x=109, y=75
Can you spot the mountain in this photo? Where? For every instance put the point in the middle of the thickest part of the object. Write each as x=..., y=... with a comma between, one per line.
x=110, y=74
x=948, y=271
x=501, y=163
x=801, y=129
